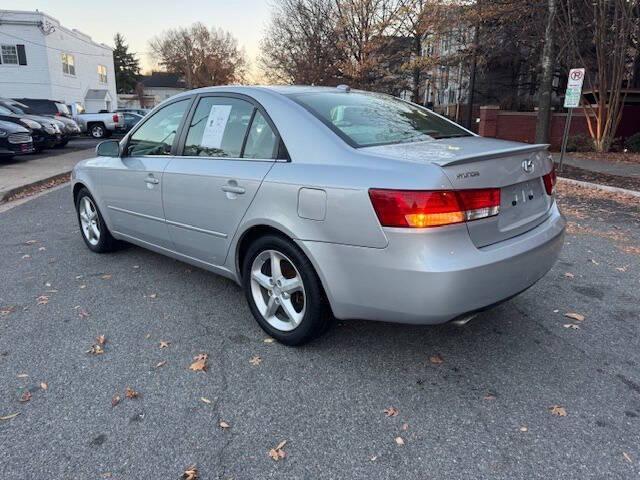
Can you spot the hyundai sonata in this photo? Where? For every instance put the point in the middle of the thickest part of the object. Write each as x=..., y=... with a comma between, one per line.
x=327, y=203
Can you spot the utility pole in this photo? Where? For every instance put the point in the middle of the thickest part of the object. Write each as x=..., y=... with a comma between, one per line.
x=543, y=122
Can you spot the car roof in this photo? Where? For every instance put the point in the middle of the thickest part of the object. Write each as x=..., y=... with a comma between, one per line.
x=285, y=90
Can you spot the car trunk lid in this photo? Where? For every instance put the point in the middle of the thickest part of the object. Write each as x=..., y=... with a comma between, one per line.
x=476, y=163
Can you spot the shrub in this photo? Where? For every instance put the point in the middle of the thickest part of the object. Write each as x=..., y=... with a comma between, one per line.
x=632, y=143
x=579, y=143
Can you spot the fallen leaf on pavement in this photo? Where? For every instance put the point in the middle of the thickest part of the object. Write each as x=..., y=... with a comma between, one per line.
x=153, y=295
x=594, y=262
x=9, y=417
x=524, y=428
x=30, y=242
x=399, y=441
x=200, y=363
x=268, y=340
x=164, y=344
x=278, y=453
x=106, y=276
x=574, y=316
x=490, y=396
x=4, y=311
x=44, y=386
x=191, y=473
x=224, y=425
x=95, y=350
x=569, y=275
x=436, y=359
x=161, y=364
x=130, y=393
x=42, y=299
x=22, y=375
x=42, y=249
x=622, y=269
x=115, y=400
x=26, y=256
x=391, y=411
x=255, y=360
x=82, y=313
x=26, y=396
x=405, y=427
x=101, y=339
x=558, y=411
x=573, y=326
x=205, y=400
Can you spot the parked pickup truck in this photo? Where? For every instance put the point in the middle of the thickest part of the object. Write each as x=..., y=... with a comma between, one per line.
x=100, y=125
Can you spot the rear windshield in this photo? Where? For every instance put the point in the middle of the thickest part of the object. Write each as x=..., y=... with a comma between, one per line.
x=368, y=119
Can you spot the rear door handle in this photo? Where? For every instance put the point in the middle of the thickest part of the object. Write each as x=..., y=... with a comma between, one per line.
x=152, y=180
x=233, y=189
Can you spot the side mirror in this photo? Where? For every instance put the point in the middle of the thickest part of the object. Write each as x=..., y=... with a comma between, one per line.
x=108, y=148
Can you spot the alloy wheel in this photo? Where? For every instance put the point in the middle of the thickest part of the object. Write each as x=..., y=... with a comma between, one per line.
x=89, y=220
x=278, y=290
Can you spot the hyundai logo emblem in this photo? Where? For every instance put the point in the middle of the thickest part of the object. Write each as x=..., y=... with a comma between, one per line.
x=528, y=166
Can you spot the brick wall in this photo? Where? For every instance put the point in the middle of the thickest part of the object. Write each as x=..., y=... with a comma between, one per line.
x=521, y=126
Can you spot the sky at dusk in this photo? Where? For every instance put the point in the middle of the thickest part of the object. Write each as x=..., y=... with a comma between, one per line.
x=140, y=20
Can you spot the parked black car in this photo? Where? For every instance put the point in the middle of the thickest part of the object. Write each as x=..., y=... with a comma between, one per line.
x=67, y=125
x=41, y=106
x=45, y=134
x=14, y=140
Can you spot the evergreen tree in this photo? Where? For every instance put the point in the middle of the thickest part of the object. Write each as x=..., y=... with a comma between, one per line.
x=127, y=66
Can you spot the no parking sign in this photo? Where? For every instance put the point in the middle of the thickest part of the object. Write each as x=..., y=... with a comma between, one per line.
x=574, y=88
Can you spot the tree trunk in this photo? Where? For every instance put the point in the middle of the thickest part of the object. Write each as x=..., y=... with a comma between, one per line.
x=543, y=122
x=472, y=79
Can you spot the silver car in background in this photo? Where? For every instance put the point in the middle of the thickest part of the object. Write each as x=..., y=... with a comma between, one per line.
x=327, y=202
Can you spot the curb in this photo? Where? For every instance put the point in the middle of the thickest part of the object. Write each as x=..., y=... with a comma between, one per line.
x=597, y=186
x=6, y=195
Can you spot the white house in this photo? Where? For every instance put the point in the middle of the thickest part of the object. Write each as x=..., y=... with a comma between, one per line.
x=39, y=58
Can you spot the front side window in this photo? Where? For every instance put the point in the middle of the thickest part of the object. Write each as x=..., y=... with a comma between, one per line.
x=102, y=74
x=9, y=54
x=68, y=64
x=368, y=119
x=157, y=133
x=218, y=127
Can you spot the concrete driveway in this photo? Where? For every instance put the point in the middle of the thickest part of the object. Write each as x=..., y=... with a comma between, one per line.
x=516, y=394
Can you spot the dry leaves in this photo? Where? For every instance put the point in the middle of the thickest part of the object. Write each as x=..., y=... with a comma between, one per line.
x=44, y=386
x=115, y=400
x=489, y=396
x=98, y=347
x=153, y=295
x=391, y=411
x=569, y=275
x=82, y=313
x=524, y=428
x=4, y=311
x=224, y=425
x=106, y=276
x=130, y=393
x=9, y=417
x=26, y=396
x=268, y=340
x=399, y=441
x=558, y=411
x=574, y=316
x=191, y=473
x=42, y=299
x=205, y=400
x=573, y=326
x=164, y=344
x=436, y=359
x=627, y=457
x=161, y=364
x=255, y=360
x=200, y=363
x=278, y=452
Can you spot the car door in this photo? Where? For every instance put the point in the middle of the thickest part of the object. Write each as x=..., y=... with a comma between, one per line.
x=228, y=147
x=131, y=186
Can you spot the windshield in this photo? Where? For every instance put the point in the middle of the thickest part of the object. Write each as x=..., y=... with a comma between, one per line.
x=12, y=107
x=5, y=111
x=367, y=119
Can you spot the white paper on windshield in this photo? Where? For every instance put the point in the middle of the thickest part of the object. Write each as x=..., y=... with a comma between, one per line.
x=216, y=124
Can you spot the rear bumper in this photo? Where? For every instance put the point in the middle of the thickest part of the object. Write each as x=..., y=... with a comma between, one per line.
x=433, y=276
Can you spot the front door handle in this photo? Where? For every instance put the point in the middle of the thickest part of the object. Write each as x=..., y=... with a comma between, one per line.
x=233, y=189
x=152, y=180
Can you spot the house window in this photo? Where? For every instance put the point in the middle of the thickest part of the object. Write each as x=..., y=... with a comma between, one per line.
x=68, y=64
x=10, y=54
x=102, y=74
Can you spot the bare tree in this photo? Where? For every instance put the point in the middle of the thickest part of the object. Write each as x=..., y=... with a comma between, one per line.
x=601, y=34
x=202, y=56
x=543, y=122
x=300, y=45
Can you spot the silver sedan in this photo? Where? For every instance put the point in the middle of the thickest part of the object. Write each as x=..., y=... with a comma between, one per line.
x=327, y=203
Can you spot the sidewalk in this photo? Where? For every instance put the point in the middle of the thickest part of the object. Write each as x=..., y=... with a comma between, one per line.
x=24, y=171
x=619, y=169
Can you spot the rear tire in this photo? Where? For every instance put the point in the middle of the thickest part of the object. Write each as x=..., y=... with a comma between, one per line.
x=97, y=130
x=288, y=303
x=93, y=229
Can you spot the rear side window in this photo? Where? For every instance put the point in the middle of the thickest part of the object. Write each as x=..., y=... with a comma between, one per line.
x=261, y=141
x=157, y=133
x=218, y=127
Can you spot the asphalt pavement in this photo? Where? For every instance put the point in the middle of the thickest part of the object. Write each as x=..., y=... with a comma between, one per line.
x=516, y=394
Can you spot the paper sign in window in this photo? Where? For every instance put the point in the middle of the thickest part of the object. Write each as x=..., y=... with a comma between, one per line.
x=216, y=124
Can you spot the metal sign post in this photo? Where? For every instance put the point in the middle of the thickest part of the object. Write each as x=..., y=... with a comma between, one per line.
x=571, y=100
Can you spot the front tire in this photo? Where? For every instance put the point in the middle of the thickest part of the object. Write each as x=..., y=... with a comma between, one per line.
x=284, y=292
x=93, y=229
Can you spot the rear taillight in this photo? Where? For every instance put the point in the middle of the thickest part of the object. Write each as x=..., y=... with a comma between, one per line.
x=116, y=119
x=550, y=181
x=424, y=209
